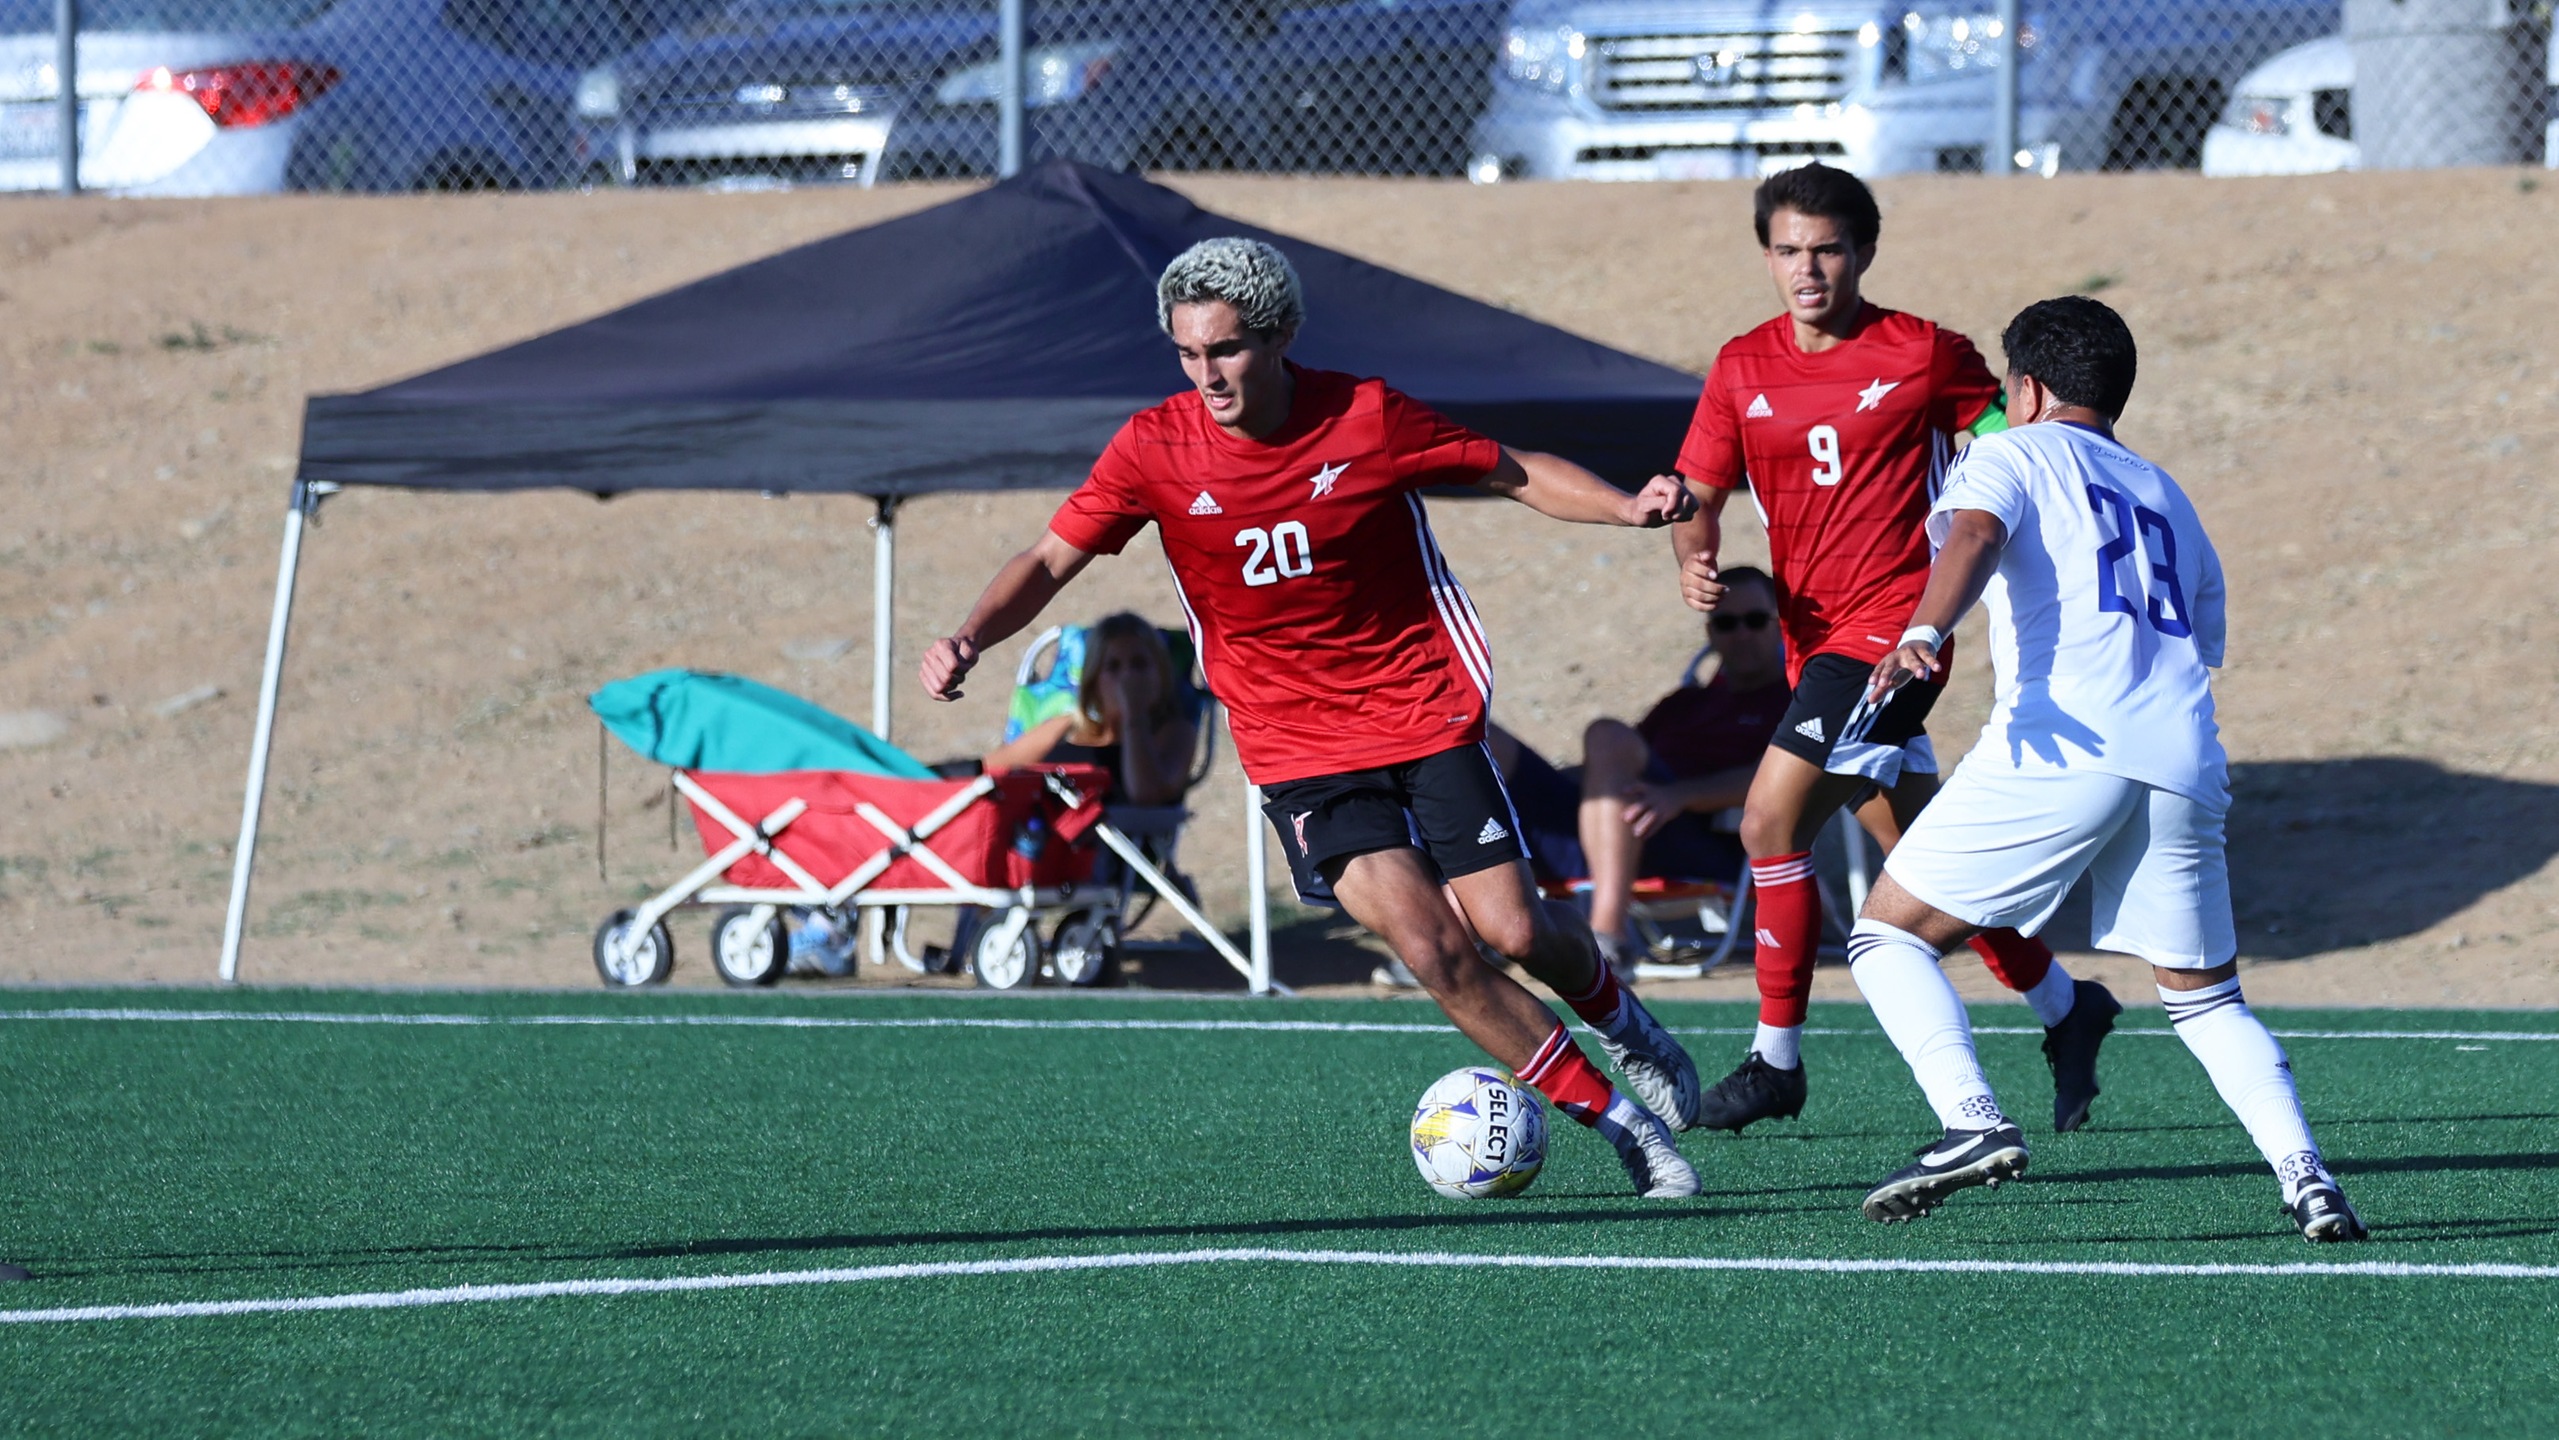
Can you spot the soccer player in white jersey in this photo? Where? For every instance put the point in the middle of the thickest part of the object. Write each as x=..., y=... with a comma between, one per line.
x=2101, y=756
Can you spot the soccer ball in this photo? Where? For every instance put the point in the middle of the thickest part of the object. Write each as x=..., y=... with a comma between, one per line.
x=1479, y=1134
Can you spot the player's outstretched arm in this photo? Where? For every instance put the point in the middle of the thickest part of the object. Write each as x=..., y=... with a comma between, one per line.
x=1013, y=599
x=1552, y=485
x=1964, y=566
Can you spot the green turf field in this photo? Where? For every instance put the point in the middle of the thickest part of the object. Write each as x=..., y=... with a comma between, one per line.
x=146, y=1162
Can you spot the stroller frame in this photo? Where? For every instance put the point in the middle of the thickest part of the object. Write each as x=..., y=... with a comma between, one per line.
x=620, y=944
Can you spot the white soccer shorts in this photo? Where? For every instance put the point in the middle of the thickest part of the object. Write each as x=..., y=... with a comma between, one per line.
x=1883, y=764
x=2002, y=847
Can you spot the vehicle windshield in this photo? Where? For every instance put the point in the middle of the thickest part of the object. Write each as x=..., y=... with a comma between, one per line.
x=24, y=17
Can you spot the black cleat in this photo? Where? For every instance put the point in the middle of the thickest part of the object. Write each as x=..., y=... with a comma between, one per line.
x=1961, y=1160
x=2323, y=1214
x=2070, y=1048
x=10, y=1273
x=1756, y=1091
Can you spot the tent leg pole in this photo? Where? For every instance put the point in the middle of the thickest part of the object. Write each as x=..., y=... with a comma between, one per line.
x=883, y=611
x=244, y=857
x=1257, y=890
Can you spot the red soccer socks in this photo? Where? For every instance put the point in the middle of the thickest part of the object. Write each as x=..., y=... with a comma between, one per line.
x=1566, y=1076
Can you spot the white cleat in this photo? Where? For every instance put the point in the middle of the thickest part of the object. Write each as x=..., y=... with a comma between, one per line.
x=1656, y=1068
x=1652, y=1158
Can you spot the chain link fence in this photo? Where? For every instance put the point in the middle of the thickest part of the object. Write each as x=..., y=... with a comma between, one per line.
x=246, y=96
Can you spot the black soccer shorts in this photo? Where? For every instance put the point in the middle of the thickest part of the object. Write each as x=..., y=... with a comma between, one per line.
x=1829, y=726
x=1450, y=806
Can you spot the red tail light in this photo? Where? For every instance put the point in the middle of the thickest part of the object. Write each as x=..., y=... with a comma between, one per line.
x=253, y=92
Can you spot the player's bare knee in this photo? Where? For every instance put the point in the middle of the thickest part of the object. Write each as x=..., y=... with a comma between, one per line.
x=1768, y=830
x=1514, y=936
x=1612, y=744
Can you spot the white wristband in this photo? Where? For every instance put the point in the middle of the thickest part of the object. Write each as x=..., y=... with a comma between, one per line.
x=1928, y=635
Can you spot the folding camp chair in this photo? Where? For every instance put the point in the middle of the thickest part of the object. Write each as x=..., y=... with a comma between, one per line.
x=1658, y=903
x=1045, y=685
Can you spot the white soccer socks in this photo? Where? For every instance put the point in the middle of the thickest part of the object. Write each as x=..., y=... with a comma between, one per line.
x=1918, y=1008
x=2248, y=1066
x=2051, y=997
x=1779, y=1045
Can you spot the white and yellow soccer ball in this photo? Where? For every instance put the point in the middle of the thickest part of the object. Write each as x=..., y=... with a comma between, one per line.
x=1479, y=1134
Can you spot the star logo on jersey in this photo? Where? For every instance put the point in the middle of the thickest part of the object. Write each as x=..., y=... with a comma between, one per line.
x=1873, y=395
x=1759, y=409
x=1323, y=479
x=1207, y=505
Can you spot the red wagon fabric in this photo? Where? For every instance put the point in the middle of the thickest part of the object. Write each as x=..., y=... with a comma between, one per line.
x=985, y=842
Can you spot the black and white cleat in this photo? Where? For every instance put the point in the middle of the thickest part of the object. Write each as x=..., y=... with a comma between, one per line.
x=1959, y=1161
x=2325, y=1217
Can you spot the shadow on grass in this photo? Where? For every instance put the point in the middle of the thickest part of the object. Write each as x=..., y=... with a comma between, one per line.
x=2331, y=853
x=1243, y=1231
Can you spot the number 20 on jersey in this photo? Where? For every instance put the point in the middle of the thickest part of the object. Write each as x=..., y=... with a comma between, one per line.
x=1279, y=553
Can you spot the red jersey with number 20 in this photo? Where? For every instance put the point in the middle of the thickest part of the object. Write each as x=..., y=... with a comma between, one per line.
x=1326, y=620
x=1843, y=451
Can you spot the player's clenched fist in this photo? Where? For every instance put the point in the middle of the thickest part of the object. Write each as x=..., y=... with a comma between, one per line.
x=946, y=665
x=1697, y=583
x=1664, y=500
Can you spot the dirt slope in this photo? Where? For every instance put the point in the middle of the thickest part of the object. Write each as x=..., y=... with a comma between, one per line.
x=2355, y=376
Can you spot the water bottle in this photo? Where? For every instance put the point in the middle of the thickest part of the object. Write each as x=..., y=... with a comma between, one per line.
x=1031, y=840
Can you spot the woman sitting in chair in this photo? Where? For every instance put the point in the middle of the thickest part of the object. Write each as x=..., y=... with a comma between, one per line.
x=1128, y=719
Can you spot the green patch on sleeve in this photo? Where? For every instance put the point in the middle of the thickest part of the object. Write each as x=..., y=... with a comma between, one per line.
x=1994, y=417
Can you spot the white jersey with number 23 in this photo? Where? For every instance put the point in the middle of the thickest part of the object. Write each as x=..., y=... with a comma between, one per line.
x=2106, y=614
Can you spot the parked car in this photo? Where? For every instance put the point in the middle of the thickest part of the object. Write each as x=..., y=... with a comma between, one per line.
x=202, y=97
x=198, y=97
x=2293, y=115
x=1672, y=89
x=861, y=90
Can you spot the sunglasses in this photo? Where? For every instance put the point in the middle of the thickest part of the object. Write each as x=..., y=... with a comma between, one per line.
x=1754, y=619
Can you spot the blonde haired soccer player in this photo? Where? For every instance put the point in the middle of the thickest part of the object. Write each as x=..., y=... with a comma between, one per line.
x=1355, y=675
x=2101, y=757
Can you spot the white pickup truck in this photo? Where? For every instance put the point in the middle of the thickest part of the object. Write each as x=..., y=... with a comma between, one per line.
x=1714, y=89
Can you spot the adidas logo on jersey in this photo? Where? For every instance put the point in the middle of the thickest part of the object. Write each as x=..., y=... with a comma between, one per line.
x=1207, y=505
x=1758, y=409
x=1812, y=730
x=1491, y=832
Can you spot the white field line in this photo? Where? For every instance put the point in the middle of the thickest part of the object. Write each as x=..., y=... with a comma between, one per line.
x=844, y=1022
x=1429, y=1260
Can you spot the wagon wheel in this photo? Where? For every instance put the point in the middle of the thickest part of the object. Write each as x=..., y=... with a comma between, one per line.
x=628, y=961
x=1086, y=949
x=1008, y=953
x=750, y=946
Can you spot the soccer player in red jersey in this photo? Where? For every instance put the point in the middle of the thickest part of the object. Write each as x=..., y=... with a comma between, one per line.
x=1354, y=671
x=1842, y=417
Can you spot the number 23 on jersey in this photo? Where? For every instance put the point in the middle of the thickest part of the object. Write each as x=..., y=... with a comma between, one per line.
x=2133, y=524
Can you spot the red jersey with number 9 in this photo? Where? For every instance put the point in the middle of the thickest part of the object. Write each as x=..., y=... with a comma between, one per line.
x=1326, y=620
x=1844, y=451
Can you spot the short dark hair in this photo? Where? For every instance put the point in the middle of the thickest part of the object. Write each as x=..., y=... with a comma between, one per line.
x=2079, y=348
x=1818, y=189
x=1733, y=575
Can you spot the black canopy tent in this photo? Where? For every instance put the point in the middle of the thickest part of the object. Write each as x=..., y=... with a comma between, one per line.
x=992, y=343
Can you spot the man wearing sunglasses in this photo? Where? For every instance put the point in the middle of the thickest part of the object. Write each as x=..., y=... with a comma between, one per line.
x=1644, y=798
x=1841, y=417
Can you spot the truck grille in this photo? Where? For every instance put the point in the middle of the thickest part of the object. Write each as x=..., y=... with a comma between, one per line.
x=1720, y=70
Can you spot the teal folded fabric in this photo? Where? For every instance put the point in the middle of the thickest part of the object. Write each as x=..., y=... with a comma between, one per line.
x=696, y=720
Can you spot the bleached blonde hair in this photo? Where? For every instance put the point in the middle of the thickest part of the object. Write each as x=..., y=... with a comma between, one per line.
x=1253, y=277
